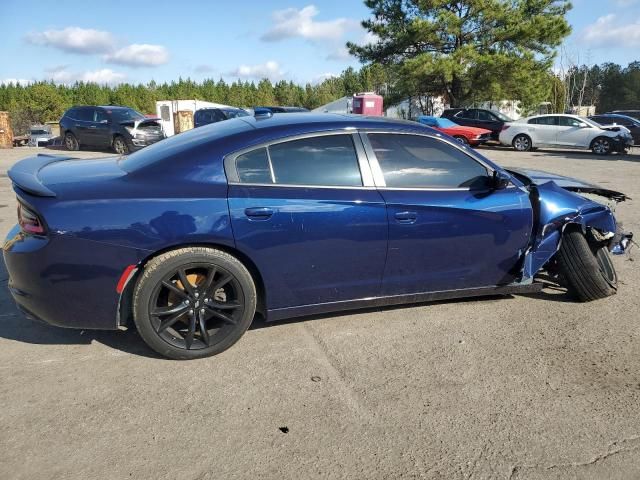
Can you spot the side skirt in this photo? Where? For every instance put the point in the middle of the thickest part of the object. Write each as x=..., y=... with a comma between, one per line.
x=290, y=312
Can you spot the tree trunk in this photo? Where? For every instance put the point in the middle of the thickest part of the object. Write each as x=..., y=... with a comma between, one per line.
x=456, y=92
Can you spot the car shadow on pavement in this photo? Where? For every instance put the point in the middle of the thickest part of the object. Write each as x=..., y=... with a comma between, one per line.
x=15, y=326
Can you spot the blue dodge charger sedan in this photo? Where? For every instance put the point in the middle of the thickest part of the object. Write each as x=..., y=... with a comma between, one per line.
x=291, y=215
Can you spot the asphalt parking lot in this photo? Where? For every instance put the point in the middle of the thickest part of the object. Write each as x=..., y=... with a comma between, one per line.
x=516, y=387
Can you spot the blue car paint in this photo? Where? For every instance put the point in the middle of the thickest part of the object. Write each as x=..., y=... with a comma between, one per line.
x=460, y=239
x=321, y=246
x=559, y=208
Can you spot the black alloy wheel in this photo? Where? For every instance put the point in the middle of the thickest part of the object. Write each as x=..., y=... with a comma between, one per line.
x=195, y=305
x=194, y=302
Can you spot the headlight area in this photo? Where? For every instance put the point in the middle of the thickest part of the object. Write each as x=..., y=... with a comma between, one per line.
x=30, y=222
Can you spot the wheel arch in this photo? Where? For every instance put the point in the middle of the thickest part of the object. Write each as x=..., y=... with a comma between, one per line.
x=125, y=301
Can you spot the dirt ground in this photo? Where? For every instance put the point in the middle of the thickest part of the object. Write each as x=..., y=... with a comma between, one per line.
x=519, y=387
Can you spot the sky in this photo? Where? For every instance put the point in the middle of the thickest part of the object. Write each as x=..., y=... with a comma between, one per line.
x=118, y=41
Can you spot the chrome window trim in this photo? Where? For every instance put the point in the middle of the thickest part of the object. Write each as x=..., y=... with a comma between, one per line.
x=366, y=176
x=377, y=170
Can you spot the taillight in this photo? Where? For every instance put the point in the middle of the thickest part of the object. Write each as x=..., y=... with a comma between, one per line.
x=29, y=221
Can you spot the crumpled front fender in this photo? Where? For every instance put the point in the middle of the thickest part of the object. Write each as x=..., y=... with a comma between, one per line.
x=555, y=209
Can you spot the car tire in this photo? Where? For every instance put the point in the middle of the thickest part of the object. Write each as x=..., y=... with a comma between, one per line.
x=601, y=146
x=586, y=267
x=462, y=139
x=218, y=302
x=522, y=143
x=119, y=145
x=71, y=142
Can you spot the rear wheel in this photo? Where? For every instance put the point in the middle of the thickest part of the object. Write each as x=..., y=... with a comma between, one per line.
x=586, y=267
x=120, y=146
x=71, y=142
x=601, y=146
x=193, y=302
x=522, y=143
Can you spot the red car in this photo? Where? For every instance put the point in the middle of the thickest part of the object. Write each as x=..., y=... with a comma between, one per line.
x=467, y=135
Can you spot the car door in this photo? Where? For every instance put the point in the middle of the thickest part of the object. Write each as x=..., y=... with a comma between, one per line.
x=101, y=128
x=448, y=229
x=546, y=130
x=306, y=212
x=572, y=132
x=82, y=121
x=488, y=121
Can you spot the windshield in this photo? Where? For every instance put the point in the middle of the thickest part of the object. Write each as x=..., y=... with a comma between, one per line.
x=125, y=115
x=502, y=116
x=39, y=132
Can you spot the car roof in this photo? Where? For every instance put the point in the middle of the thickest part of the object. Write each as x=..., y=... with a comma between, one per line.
x=311, y=120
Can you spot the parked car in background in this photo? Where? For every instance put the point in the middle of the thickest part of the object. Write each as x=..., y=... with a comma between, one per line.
x=478, y=117
x=40, y=135
x=205, y=116
x=288, y=216
x=466, y=135
x=565, y=131
x=121, y=128
x=630, y=123
x=630, y=113
x=261, y=110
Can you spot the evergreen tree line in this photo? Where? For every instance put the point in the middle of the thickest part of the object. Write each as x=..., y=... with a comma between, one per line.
x=46, y=101
x=608, y=87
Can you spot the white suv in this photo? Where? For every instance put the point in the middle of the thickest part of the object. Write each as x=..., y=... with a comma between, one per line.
x=565, y=131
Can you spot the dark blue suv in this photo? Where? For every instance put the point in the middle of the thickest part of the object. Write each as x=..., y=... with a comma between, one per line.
x=122, y=129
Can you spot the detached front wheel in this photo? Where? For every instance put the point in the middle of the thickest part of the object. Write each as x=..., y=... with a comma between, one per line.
x=193, y=302
x=586, y=267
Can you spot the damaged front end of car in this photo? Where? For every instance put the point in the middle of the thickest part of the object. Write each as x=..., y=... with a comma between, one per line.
x=561, y=203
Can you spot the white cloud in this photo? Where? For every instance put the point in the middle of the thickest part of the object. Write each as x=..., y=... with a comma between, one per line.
x=625, y=3
x=342, y=52
x=139, y=55
x=291, y=22
x=270, y=70
x=15, y=81
x=322, y=77
x=74, y=39
x=102, y=76
x=609, y=31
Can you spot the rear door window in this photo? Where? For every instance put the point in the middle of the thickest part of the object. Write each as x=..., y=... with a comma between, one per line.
x=328, y=160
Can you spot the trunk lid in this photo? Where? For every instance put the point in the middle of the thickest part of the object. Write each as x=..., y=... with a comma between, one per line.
x=51, y=175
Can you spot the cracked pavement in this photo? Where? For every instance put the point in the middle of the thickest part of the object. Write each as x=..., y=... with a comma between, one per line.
x=535, y=387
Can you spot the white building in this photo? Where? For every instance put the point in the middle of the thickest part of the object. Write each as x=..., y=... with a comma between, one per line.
x=165, y=110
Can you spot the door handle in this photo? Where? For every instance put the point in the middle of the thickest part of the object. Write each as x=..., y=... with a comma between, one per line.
x=258, y=213
x=406, y=217
x=93, y=126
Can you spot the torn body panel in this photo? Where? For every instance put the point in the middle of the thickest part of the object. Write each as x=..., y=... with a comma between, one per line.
x=556, y=207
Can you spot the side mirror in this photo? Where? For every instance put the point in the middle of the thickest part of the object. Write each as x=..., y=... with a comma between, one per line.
x=501, y=180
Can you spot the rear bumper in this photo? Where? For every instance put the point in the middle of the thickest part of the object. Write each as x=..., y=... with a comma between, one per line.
x=65, y=281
